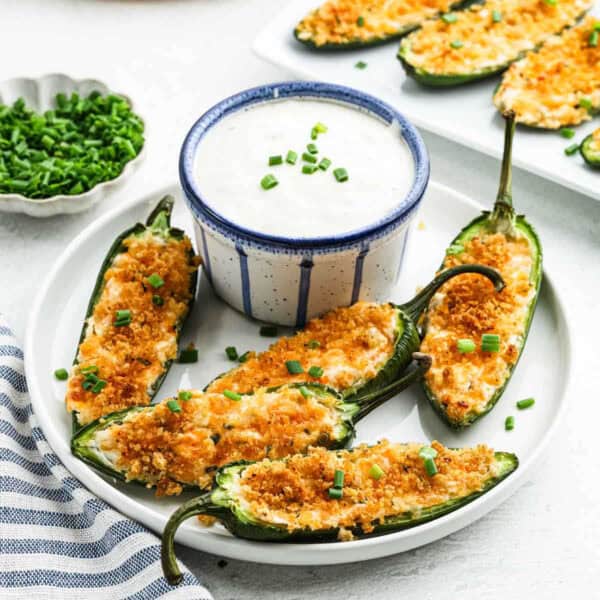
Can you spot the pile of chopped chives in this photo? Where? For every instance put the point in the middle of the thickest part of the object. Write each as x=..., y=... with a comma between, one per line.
x=68, y=150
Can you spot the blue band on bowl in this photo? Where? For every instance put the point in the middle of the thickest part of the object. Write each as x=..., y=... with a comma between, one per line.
x=296, y=89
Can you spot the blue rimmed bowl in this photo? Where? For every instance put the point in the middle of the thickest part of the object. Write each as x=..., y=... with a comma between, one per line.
x=287, y=280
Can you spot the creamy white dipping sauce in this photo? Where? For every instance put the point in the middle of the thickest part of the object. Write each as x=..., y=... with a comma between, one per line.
x=232, y=158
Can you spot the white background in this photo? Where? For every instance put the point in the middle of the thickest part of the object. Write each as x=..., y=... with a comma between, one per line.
x=178, y=57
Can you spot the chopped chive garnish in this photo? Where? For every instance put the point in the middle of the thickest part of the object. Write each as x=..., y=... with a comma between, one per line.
x=490, y=342
x=188, y=355
x=184, y=395
x=456, y=44
x=305, y=391
x=320, y=127
x=338, y=478
x=428, y=454
x=360, y=65
x=309, y=169
x=244, y=357
x=572, y=149
x=567, y=132
x=509, y=423
x=309, y=158
x=465, y=346
x=89, y=369
x=315, y=371
x=496, y=16
x=174, y=406
x=312, y=344
x=156, y=281
x=232, y=395
x=61, y=374
x=586, y=103
x=291, y=157
x=231, y=353
x=449, y=18
x=275, y=160
x=455, y=249
x=593, y=39
x=335, y=493
x=340, y=174
x=551, y=2
x=98, y=386
x=312, y=148
x=268, y=182
x=324, y=164
x=596, y=26
x=122, y=318
x=294, y=367
x=360, y=21
x=376, y=472
x=87, y=385
x=157, y=300
x=526, y=403
x=268, y=331
x=430, y=467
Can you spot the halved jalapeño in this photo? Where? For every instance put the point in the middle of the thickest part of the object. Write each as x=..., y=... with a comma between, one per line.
x=476, y=337
x=142, y=296
x=341, y=495
x=360, y=349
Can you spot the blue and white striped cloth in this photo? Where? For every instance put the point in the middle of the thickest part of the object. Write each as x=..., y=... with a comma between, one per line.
x=57, y=540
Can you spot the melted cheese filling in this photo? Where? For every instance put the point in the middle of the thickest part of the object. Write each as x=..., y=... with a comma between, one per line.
x=294, y=493
x=336, y=21
x=352, y=345
x=165, y=449
x=467, y=307
x=485, y=43
x=131, y=358
x=544, y=89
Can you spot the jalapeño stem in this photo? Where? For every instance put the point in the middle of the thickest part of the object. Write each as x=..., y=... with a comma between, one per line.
x=159, y=219
x=413, y=308
x=374, y=399
x=503, y=215
x=202, y=505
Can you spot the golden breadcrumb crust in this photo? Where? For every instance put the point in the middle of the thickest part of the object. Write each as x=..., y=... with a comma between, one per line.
x=166, y=448
x=467, y=307
x=294, y=492
x=131, y=358
x=353, y=344
x=485, y=43
x=337, y=21
x=545, y=87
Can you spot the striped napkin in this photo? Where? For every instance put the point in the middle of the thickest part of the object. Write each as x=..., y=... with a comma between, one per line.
x=57, y=540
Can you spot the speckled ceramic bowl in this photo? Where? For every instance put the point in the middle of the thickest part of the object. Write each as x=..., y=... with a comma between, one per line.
x=39, y=95
x=289, y=280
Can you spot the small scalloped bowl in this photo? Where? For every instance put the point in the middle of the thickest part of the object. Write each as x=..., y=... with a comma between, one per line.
x=39, y=94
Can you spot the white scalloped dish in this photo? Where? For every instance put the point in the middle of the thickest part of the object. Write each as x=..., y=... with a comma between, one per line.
x=39, y=94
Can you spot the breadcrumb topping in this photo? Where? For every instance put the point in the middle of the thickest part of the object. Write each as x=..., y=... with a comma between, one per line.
x=166, y=449
x=350, y=344
x=545, y=88
x=337, y=21
x=476, y=41
x=131, y=358
x=294, y=492
x=468, y=307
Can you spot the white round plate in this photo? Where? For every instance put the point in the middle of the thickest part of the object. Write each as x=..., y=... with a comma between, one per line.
x=39, y=95
x=53, y=332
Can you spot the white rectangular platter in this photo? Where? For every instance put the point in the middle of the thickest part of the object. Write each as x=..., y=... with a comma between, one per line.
x=464, y=114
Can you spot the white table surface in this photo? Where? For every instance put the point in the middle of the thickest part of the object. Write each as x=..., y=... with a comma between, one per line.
x=178, y=57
